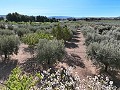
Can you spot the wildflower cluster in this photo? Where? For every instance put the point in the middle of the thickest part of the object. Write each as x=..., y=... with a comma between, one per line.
x=95, y=83
x=60, y=79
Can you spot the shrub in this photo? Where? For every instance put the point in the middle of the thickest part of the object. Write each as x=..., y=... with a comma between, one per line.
x=87, y=29
x=10, y=27
x=106, y=52
x=73, y=28
x=6, y=32
x=49, y=51
x=19, y=81
x=94, y=37
x=46, y=31
x=8, y=45
x=21, y=31
x=62, y=33
x=2, y=26
x=33, y=28
x=103, y=28
x=33, y=38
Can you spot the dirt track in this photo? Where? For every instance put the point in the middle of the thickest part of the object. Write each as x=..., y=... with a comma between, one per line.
x=77, y=48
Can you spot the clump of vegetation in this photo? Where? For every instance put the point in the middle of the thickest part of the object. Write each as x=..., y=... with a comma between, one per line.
x=62, y=33
x=9, y=45
x=6, y=32
x=19, y=81
x=106, y=52
x=104, y=47
x=33, y=38
x=2, y=26
x=49, y=51
x=21, y=31
x=10, y=27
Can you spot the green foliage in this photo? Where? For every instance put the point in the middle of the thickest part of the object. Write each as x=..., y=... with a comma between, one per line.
x=73, y=27
x=22, y=31
x=2, y=26
x=33, y=38
x=49, y=51
x=103, y=47
x=62, y=33
x=67, y=34
x=87, y=29
x=33, y=28
x=6, y=32
x=19, y=81
x=10, y=27
x=8, y=45
x=16, y=17
x=106, y=52
x=94, y=37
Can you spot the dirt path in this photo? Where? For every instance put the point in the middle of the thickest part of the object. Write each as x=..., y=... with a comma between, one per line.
x=77, y=48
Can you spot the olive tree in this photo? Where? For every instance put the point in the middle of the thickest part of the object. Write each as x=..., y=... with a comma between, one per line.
x=105, y=52
x=62, y=33
x=9, y=45
x=49, y=51
x=21, y=31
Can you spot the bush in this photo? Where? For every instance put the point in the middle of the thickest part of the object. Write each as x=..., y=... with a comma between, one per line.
x=73, y=28
x=33, y=38
x=33, y=28
x=62, y=33
x=22, y=31
x=94, y=37
x=19, y=81
x=87, y=29
x=106, y=52
x=6, y=32
x=46, y=31
x=49, y=51
x=8, y=45
x=10, y=27
x=2, y=26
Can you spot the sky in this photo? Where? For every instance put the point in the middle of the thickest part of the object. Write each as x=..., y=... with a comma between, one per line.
x=74, y=8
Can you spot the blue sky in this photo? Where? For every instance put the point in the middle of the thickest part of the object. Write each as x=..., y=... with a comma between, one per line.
x=76, y=8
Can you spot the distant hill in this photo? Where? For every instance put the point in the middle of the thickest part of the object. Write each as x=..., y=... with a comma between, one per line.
x=4, y=16
x=60, y=17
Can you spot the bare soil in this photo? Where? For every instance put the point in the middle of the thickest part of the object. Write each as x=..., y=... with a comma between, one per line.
x=76, y=49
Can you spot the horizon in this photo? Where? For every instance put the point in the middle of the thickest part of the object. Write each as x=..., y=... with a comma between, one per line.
x=71, y=8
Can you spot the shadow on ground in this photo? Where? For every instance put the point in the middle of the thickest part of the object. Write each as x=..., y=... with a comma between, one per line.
x=71, y=45
x=74, y=40
x=75, y=36
x=29, y=50
x=73, y=60
x=115, y=78
x=6, y=68
x=31, y=66
x=113, y=75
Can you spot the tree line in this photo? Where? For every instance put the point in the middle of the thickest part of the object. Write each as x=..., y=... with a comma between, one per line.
x=24, y=18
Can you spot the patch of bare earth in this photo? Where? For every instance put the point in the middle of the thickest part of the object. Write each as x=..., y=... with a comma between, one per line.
x=76, y=48
x=23, y=54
